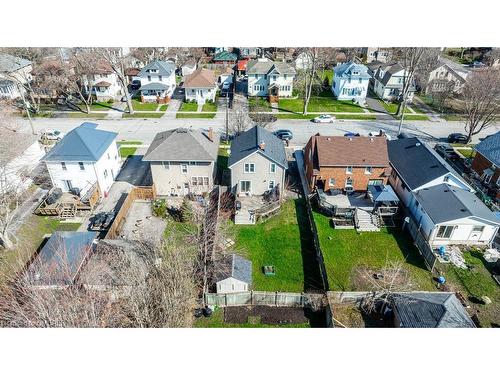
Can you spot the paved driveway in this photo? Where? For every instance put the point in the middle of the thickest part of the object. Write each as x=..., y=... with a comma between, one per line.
x=135, y=171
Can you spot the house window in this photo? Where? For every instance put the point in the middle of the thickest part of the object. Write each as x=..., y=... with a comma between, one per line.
x=206, y=181
x=105, y=173
x=477, y=229
x=200, y=181
x=194, y=181
x=249, y=168
x=349, y=182
x=149, y=78
x=184, y=168
x=82, y=167
x=348, y=170
x=271, y=184
x=63, y=165
x=331, y=182
x=334, y=83
x=265, y=76
x=368, y=170
x=272, y=168
x=109, y=156
x=360, y=80
x=274, y=78
x=445, y=231
x=166, y=165
x=245, y=186
x=285, y=76
x=160, y=78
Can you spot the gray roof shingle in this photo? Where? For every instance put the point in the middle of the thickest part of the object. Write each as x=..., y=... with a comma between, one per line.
x=182, y=144
x=165, y=68
x=490, y=148
x=10, y=63
x=444, y=203
x=238, y=267
x=84, y=143
x=248, y=142
x=430, y=310
x=154, y=86
x=347, y=68
x=264, y=66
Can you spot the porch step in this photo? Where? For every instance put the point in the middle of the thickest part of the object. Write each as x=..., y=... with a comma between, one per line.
x=366, y=222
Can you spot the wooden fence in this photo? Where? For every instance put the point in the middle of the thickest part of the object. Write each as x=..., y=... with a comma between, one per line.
x=137, y=193
x=256, y=298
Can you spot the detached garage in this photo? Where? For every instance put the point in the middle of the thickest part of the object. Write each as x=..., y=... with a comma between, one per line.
x=235, y=276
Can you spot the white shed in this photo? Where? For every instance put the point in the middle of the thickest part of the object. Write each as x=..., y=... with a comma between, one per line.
x=236, y=275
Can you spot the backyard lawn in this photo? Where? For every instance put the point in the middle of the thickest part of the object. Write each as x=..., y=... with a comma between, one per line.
x=282, y=242
x=138, y=106
x=346, y=253
x=466, y=152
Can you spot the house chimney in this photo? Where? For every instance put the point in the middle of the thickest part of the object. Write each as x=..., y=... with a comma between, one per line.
x=262, y=145
x=211, y=134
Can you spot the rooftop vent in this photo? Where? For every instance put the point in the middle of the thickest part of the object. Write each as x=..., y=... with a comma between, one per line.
x=262, y=145
x=418, y=144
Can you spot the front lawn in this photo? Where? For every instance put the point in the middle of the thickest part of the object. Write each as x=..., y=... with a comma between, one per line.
x=127, y=148
x=138, y=106
x=346, y=253
x=411, y=117
x=85, y=115
x=188, y=107
x=209, y=107
x=194, y=115
x=143, y=115
x=163, y=107
x=282, y=242
x=325, y=102
x=354, y=116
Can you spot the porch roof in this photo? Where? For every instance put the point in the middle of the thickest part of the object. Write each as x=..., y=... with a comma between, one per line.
x=382, y=193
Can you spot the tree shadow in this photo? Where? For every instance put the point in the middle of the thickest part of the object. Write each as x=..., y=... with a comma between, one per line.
x=405, y=244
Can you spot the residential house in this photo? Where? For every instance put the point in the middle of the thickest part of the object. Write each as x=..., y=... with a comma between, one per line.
x=59, y=262
x=382, y=55
x=225, y=57
x=416, y=166
x=486, y=162
x=448, y=215
x=103, y=83
x=428, y=310
x=131, y=74
x=346, y=163
x=267, y=78
x=226, y=75
x=249, y=52
x=188, y=68
x=15, y=72
x=448, y=75
x=21, y=155
x=157, y=81
x=183, y=161
x=241, y=67
x=350, y=82
x=235, y=275
x=388, y=82
x=200, y=86
x=257, y=162
x=84, y=157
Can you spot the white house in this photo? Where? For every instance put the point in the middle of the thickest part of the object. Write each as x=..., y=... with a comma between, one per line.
x=388, y=82
x=350, y=81
x=188, y=68
x=200, y=86
x=157, y=81
x=84, y=157
x=17, y=163
x=235, y=275
x=183, y=161
x=270, y=78
x=103, y=82
x=14, y=73
x=382, y=55
x=448, y=75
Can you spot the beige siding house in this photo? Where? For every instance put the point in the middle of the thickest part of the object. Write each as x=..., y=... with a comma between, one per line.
x=257, y=162
x=183, y=161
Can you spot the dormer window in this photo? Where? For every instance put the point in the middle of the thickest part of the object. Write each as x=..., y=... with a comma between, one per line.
x=152, y=70
x=355, y=73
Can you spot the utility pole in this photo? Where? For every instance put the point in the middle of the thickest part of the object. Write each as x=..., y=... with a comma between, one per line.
x=227, y=116
x=402, y=116
x=26, y=108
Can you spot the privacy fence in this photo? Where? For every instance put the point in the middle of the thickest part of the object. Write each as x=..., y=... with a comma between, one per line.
x=256, y=298
x=421, y=243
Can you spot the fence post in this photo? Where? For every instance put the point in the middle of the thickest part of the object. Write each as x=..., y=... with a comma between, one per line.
x=225, y=299
x=276, y=298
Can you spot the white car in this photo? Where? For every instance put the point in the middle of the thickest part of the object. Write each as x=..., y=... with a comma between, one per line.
x=52, y=135
x=380, y=133
x=324, y=119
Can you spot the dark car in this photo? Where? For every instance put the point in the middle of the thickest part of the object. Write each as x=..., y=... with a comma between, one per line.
x=135, y=85
x=351, y=134
x=110, y=216
x=446, y=151
x=457, y=138
x=97, y=221
x=284, y=134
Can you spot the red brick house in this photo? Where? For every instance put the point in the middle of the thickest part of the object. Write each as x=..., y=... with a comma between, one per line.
x=486, y=162
x=346, y=163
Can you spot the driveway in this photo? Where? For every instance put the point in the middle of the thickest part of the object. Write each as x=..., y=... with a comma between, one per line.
x=135, y=171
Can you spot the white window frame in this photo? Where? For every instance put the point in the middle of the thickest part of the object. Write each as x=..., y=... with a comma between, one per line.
x=348, y=169
x=64, y=166
x=368, y=170
x=271, y=182
x=249, y=168
x=349, y=179
x=184, y=166
x=444, y=232
x=272, y=168
x=81, y=165
x=105, y=173
x=331, y=182
x=250, y=186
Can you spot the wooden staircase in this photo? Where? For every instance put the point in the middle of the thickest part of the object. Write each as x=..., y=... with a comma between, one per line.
x=366, y=221
x=67, y=210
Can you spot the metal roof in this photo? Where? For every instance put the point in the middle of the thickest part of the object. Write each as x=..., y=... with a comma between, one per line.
x=84, y=143
x=225, y=56
x=382, y=193
x=445, y=203
x=248, y=142
x=490, y=148
x=154, y=86
x=182, y=144
x=60, y=259
x=430, y=310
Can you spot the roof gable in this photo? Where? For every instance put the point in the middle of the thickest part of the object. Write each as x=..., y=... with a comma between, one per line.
x=164, y=68
x=346, y=70
x=490, y=148
x=201, y=78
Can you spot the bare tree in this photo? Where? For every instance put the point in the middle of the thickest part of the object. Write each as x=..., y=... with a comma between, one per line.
x=149, y=54
x=261, y=116
x=481, y=96
x=307, y=81
x=238, y=118
x=493, y=57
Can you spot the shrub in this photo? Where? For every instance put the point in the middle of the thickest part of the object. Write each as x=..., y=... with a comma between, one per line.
x=159, y=207
x=186, y=211
x=110, y=101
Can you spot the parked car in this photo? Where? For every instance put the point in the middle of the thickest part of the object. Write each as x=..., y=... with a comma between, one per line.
x=324, y=119
x=102, y=220
x=457, y=138
x=380, y=133
x=351, y=134
x=446, y=151
x=284, y=134
x=226, y=85
x=135, y=85
x=52, y=135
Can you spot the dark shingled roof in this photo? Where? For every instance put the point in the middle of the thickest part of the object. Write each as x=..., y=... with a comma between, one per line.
x=182, y=145
x=84, y=143
x=238, y=267
x=444, y=203
x=60, y=259
x=248, y=142
x=430, y=310
x=414, y=162
x=490, y=148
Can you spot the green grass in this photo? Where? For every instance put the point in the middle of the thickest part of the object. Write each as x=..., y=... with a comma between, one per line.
x=217, y=321
x=138, y=106
x=125, y=152
x=254, y=103
x=275, y=242
x=345, y=250
x=416, y=117
x=325, y=102
x=188, y=107
x=339, y=117
x=466, y=152
x=327, y=74
x=126, y=142
x=86, y=115
x=143, y=115
x=195, y=115
x=453, y=117
x=163, y=107
x=392, y=107
x=209, y=107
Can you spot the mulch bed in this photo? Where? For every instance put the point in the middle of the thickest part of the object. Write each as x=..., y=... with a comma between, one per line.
x=267, y=314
